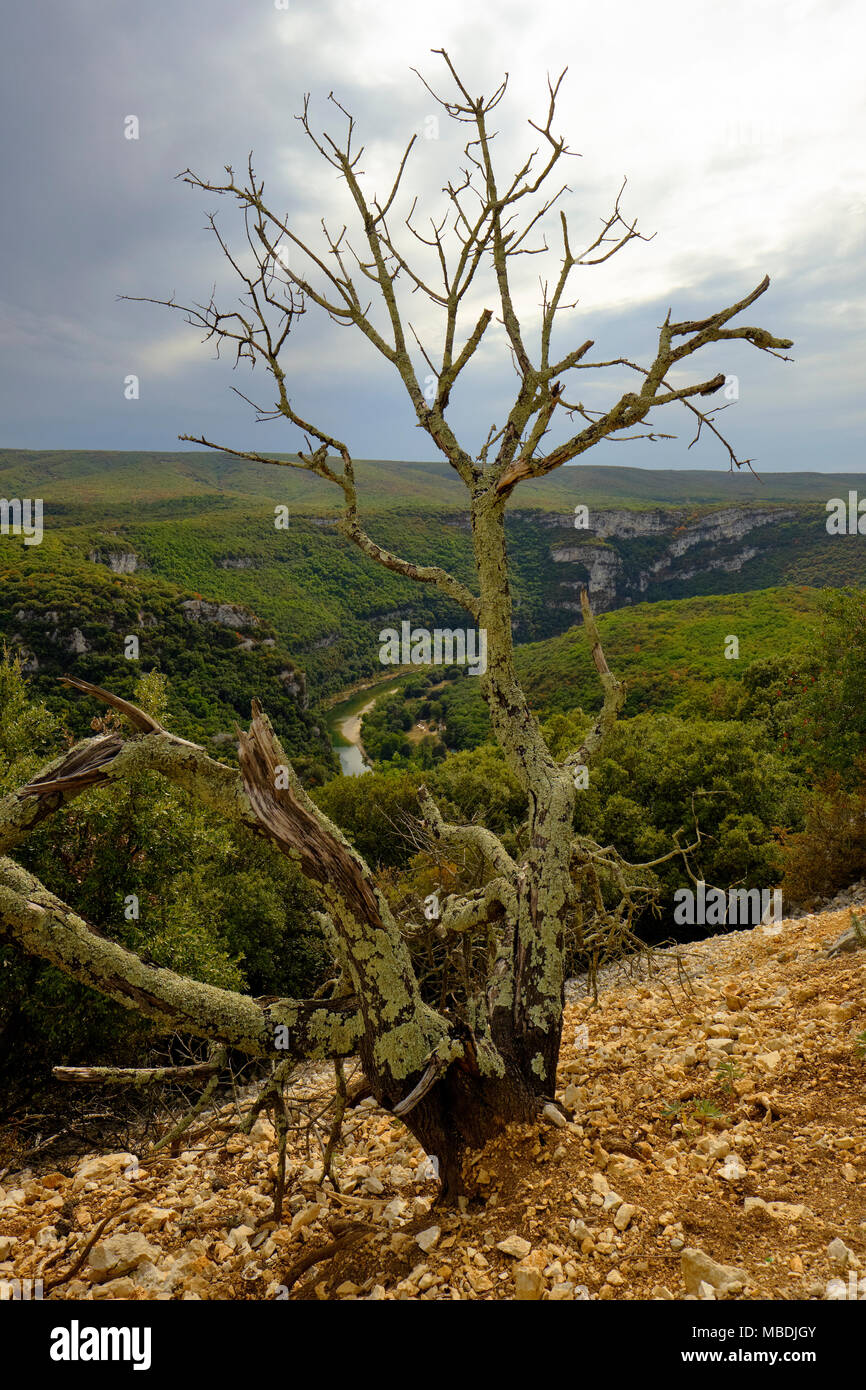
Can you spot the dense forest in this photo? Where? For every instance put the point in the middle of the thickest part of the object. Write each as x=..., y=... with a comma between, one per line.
x=760, y=752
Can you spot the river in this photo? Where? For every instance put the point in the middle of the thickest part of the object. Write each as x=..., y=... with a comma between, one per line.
x=344, y=723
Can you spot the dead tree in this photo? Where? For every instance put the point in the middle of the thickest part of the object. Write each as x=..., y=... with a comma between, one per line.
x=454, y=1078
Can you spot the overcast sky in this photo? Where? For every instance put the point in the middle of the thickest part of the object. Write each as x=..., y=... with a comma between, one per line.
x=740, y=128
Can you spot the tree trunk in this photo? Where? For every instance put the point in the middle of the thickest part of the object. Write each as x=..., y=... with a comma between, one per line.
x=463, y=1112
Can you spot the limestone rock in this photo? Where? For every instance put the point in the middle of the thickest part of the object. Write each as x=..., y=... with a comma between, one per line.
x=515, y=1246
x=103, y=1169
x=150, y=1218
x=262, y=1131
x=854, y=939
x=840, y=1255
x=528, y=1282
x=147, y=1276
x=552, y=1113
x=305, y=1217
x=698, y=1268
x=119, y=1254
x=239, y=1236
x=624, y=1216
x=429, y=1238
x=732, y=1170
x=395, y=1210
x=717, y=1148
x=115, y=1288
x=770, y=1060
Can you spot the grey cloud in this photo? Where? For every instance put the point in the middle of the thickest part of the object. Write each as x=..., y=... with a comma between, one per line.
x=94, y=216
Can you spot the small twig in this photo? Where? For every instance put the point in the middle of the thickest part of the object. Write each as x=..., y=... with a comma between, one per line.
x=170, y=1140
x=326, y=1252
x=337, y=1125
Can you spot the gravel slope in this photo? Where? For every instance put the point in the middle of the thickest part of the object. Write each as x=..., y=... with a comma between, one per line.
x=717, y=1149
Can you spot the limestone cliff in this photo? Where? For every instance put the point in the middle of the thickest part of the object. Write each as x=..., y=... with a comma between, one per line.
x=674, y=548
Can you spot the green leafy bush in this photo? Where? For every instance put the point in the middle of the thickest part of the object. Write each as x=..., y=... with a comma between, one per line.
x=155, y=871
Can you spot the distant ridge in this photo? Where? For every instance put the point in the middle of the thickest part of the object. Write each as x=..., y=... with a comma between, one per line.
x=72, y=481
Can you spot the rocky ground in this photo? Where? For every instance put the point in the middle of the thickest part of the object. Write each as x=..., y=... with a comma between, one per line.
x=717, y=1150
x=855, y=896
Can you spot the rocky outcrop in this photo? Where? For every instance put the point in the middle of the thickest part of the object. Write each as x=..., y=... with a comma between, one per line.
x=602, y=555
x=730, y=564
x=295, y=683
x=603, y=569
x=72, y=639
x=58, y=628
x=200, y=610
x=118, y=561
x=625, y=525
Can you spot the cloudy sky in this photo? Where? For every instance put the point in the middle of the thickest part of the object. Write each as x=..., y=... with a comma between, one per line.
x=740, y=127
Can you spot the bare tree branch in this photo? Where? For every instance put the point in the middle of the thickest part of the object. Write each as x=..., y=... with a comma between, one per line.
x=614, y=693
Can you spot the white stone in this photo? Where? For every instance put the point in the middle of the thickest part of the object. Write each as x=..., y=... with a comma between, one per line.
x=840, y=1255
x=515, y=1246
x=121, y=1253
x=732, y=1170
x=107, y=1166
x=395, y=1210
x=698, y=1268
x=240, y=1235
x=429, y=1238
x=528, y=1283
x=624, y=1216
x=262, y=1131
x=552, y=1113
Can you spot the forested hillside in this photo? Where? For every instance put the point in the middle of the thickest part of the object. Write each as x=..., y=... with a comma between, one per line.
x=206, y=525
x=64, y=614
